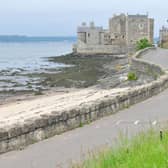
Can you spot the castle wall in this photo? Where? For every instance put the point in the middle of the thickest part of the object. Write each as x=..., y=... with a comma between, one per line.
x=151, y=30
x=138, y=28
x=117, y=24
x=82, y=37
x=124, y=31
x=164, y=37
x=91, y=35
x=101, y=49
x=117, y=29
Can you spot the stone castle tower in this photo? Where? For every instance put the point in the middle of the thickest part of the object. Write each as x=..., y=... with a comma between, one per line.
x=123, y=33
x=163, y=37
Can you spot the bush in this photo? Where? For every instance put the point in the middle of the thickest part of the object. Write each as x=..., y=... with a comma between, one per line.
x=132, y=76
x=143, y=43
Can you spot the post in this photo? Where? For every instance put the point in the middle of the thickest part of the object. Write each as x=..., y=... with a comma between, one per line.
x=161, y=135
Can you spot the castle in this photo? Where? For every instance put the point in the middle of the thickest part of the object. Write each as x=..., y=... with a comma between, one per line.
x=163, y=37
x=121, y=36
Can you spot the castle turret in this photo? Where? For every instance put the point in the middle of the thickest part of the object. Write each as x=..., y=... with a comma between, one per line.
x=89, y=35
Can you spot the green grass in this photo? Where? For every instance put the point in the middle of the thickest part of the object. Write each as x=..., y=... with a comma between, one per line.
x=143, y=151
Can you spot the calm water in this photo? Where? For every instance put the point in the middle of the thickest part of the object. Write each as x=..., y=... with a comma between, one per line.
x=19, y=59
x=30, y=56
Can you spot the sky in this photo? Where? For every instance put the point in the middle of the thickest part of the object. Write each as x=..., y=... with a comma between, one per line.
x=61, y=17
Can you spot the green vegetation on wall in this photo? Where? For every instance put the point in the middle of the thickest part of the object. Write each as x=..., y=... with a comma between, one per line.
x=142, y=44
x=132, y=76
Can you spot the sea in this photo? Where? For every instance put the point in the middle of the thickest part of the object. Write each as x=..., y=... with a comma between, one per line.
x=30, y=55
x=21, y=55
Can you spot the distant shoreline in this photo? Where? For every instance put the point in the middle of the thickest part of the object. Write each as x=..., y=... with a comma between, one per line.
x=18, y=38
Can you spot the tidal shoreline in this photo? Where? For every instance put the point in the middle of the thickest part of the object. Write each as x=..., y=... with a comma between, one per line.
x=31, y=121
x=102, y=71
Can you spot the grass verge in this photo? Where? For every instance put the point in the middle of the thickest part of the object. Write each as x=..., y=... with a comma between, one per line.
x=146, y=150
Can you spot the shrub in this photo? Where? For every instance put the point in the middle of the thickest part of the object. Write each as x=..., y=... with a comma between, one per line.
x=143, y=43
x=132, y=76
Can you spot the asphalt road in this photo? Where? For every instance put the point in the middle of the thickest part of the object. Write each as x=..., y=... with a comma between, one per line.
x=74, y=145
x=159, y=57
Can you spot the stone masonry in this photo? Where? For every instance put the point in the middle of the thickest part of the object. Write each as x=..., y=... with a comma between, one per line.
x=163, y=37
x=55, y=115
x=123, y=33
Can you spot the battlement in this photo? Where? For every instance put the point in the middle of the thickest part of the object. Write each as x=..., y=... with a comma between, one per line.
x=83, y=29
x=138, y=16
x=123, y=33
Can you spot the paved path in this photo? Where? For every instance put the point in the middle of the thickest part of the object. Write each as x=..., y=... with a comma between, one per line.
x=60, y=150
x=159, y=56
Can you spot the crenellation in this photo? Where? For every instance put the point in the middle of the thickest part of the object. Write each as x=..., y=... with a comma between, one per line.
x=123, y=33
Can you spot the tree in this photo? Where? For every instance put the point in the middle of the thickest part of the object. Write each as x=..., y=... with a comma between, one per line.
x=143, y=43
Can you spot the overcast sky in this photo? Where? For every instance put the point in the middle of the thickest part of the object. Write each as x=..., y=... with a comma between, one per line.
x=61, y=17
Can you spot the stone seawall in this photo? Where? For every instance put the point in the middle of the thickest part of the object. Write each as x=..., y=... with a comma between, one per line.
x=47, y=125
x=141, y=66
